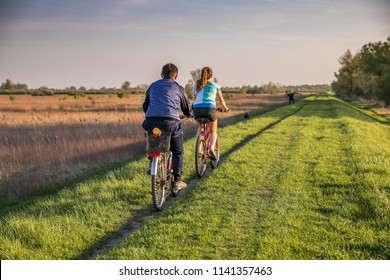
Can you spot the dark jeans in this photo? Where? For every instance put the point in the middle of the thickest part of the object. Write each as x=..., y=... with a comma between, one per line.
x=177, y=149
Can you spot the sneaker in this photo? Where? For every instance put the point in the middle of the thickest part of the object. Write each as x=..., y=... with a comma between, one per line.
x=212, y=155
x=179, y=185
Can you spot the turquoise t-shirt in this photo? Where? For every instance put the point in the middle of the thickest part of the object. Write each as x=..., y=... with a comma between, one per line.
x=206, y=97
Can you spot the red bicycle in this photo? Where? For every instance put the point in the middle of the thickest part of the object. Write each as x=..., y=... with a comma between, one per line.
x=202, y=148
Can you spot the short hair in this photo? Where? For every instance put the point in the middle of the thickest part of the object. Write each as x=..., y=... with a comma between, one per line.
x=169, y=70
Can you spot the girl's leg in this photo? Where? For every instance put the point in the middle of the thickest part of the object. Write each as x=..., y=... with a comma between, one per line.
x=213, y=134
x=198, y=132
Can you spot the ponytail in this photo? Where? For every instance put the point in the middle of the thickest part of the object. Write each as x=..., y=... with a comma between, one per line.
x=206, y=74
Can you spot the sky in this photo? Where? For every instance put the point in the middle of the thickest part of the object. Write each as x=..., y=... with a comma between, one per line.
x=98, y=43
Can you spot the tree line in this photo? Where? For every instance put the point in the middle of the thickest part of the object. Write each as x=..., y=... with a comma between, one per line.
x=17, y=89
x=272, y=87
x=9, y=87
x=365, y=74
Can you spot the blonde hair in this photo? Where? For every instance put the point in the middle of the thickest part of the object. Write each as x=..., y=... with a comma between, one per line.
x=206, y=74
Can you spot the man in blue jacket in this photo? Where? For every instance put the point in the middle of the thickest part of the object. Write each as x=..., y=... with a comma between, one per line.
x=163, y=100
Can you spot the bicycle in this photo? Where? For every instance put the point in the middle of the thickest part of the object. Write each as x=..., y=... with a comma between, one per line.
x=158, y=144
x=202, y=148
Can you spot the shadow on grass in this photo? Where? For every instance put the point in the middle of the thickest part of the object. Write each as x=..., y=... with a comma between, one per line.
x=358, y=202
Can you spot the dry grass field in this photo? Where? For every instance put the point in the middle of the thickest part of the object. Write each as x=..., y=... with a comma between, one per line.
x=47, y=139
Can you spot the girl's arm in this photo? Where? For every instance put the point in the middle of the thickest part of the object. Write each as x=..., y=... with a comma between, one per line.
x=222, y=101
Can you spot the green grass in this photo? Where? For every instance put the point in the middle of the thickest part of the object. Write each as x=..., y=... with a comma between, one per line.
x=311, y=181
x=304, y=189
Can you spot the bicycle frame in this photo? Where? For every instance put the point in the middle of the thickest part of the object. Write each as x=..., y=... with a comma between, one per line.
x=204, y=131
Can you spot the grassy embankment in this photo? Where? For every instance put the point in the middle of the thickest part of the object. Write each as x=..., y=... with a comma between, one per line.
x=313, y=186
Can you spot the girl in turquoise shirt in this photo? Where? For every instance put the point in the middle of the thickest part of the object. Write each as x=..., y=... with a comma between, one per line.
x=206, y=92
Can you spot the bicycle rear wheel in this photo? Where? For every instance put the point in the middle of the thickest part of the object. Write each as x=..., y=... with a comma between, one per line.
x=158, y=184
x=200, y=156
x=214, y=163
x=170, y=177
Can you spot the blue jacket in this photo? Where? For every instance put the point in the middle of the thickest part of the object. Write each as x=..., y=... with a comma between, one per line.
x=164, y=98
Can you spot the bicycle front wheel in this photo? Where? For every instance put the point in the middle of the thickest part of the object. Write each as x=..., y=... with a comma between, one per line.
x=200, y=156
x=158, y=184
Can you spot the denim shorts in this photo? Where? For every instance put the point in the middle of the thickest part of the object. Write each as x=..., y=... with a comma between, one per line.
x=208, y=113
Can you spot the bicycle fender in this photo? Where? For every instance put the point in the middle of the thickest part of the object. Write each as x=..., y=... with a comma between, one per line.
x=153, y=167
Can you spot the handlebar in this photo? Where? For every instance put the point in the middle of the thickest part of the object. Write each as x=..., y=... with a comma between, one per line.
x=221, y=110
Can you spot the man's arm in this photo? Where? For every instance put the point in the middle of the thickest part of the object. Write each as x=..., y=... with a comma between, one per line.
x=185, y=104
x=145, y=105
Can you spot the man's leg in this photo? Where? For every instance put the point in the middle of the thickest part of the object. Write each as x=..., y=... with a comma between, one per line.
x=177, y=152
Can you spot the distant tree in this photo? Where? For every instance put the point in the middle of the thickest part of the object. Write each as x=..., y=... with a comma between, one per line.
x=142, y=88
x=44, y=90
x=375, y=66
x=195, y=75
x=8, y=85
x=270, y=87
x=243, y=89
x=365, y=74
x=188, y=89
x=82, y=88
x=346, y=82
x=21, y=86
x=126, y=85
